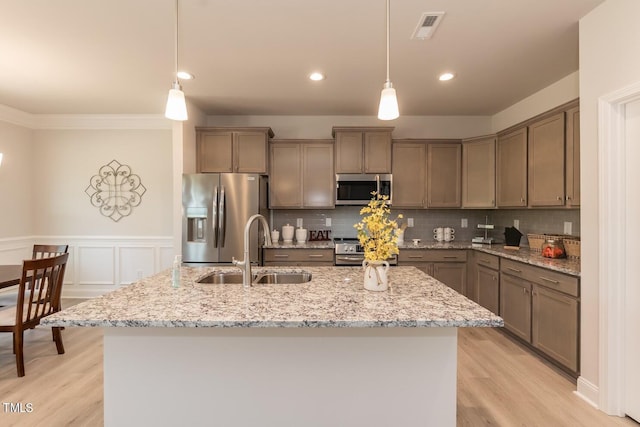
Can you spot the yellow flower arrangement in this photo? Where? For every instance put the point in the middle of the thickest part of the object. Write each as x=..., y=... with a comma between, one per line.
x=376, y=232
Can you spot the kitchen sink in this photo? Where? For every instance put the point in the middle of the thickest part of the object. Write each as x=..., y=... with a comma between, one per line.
x=217, y=278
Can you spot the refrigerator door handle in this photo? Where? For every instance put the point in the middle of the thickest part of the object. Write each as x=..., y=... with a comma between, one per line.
x=221, y=219
x=214, y=219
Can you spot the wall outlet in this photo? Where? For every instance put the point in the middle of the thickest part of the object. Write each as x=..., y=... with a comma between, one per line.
x=298, y=222
x=516, y=223
x=409, y=222
x=464, y=223
x=327, y=222
x=567, y=227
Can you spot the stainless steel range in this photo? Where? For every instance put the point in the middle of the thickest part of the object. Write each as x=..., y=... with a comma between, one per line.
x=349, y=252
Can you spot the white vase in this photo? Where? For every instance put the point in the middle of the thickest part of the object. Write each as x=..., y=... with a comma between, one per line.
x=375, y=275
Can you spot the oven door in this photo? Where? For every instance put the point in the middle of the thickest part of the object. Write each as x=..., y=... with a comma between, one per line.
x=350, y=259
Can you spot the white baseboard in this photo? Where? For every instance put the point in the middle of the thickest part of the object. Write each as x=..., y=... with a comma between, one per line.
x=588, y=392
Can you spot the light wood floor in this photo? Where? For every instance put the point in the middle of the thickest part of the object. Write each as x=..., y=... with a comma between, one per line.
x=499, y=383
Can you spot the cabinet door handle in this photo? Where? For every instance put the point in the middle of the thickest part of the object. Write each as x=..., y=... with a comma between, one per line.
x=559, y=197
x=486, y=261
x=568, y=197
x=281, y=256
x=316, y=256
x=450, y=257
x=416, y=256
x=514, y=269
x=555, y=282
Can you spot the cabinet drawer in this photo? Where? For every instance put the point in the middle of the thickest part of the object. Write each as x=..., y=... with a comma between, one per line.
x=314, y=255
x=432, y=255
x=486, y=260
x=542, y=276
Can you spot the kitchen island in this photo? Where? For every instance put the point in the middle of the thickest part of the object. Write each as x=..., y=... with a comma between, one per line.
x=326, y=352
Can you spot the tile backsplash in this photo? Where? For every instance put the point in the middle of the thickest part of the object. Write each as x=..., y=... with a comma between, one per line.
x=425, y=220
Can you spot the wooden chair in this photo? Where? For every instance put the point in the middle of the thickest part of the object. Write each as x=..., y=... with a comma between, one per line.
x=38, y=296
x=46, y=251
x=10, y=298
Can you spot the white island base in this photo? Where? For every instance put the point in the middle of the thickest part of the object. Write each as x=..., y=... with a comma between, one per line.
x=280, y=376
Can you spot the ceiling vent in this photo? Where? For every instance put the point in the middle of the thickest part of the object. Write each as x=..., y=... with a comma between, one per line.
x=427, y=25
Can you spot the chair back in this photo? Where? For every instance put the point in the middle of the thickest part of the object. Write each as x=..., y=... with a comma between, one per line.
x=40, y=289
x=46, y=251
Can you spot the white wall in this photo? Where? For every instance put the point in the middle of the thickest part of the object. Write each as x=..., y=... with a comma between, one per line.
x=561, y=92
x=67, y=159
x=47, y=166
x=16, y=174
x=319, y=127
x=609, y=61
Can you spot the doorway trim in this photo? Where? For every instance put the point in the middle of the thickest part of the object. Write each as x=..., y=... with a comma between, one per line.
x=612, y=210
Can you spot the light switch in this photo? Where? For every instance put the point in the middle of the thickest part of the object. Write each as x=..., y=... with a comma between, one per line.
x=516, y=223
x=464, y=223
x=327, y=222
x=409, y=222
x=299, y=222
x=568, y=225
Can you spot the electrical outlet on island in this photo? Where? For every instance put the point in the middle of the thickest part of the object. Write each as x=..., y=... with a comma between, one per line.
x=567, y=227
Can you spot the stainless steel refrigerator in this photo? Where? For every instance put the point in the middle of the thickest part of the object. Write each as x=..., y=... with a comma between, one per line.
x=215, y=209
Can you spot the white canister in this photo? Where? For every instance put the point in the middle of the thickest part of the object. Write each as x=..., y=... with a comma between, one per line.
x=287, y=233
x=301, y=235
x=275, y=236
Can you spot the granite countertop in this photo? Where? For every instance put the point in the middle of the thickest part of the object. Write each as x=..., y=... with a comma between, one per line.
x=569, y=266
x=335, y=297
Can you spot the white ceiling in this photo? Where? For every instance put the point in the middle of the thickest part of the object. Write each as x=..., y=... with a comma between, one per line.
x=252, y=57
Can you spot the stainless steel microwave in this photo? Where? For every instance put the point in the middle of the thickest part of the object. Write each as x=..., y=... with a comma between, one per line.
x=356, y=189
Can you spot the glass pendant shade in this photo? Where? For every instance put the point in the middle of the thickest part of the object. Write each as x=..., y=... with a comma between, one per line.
x=176, y=104
x=388, y=109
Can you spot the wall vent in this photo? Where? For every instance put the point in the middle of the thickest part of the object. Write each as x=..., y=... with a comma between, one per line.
x=427, y=25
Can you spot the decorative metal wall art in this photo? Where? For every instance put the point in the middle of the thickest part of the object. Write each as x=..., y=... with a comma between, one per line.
x=115, y=190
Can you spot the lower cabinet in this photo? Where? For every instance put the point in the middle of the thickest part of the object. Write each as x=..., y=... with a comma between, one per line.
x=298, y=257
x=515, y=305
x=555, y=325
x=542, y=307
x=446, y=265
x=488, y=288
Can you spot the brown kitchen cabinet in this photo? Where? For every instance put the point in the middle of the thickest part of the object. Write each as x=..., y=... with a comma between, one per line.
x=479, y=172
x=542, y=307
x=511, y=168
x=546, y=161
x=572, y=157
x=443, y=175
x=226, y=150
x=409, y=174
x=487, y=281
x=448, y=266
x=298, y=257
x=362, y=150
x=301, y=174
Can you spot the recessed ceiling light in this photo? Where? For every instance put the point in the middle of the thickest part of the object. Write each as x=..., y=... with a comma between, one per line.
x=446, y=76
x=183, y=75
x=316, y=76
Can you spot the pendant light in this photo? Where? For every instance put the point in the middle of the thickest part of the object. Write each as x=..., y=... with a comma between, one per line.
x=388, y=109
x=176, y=104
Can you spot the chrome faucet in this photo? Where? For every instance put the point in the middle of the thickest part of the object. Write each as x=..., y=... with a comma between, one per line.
x=246, y=263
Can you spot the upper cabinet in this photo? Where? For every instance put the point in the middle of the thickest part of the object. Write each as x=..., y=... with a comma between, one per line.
x=479, y=172
x=511, y=168
x=409, y=174
x=241, y=150
x=546, y=161
x=362, y=149
x=301, y=174
x=572, y=157
x=443, y=175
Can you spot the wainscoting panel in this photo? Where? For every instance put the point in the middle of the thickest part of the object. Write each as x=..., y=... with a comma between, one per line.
x=98, y=264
